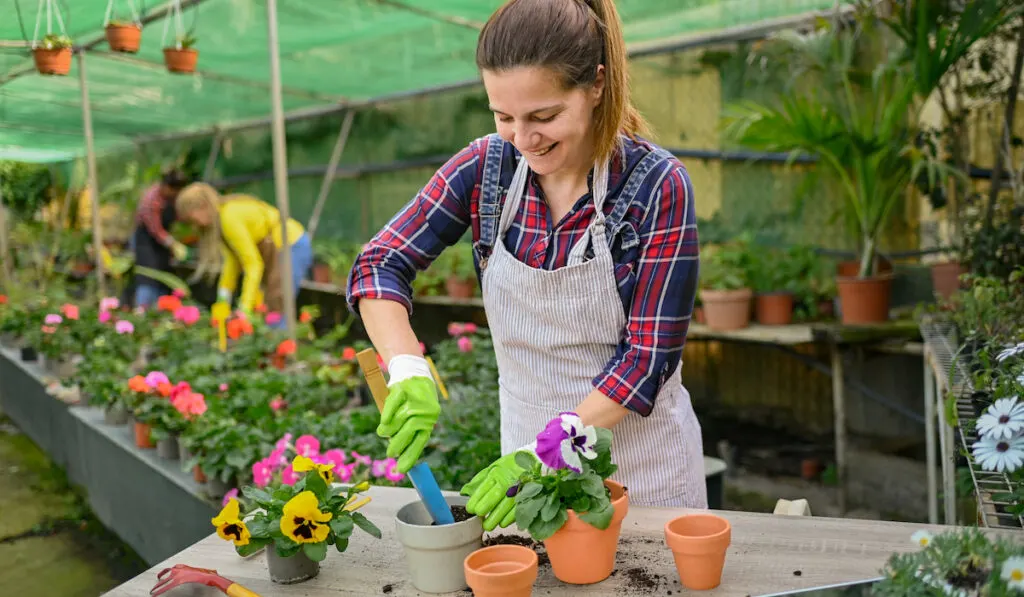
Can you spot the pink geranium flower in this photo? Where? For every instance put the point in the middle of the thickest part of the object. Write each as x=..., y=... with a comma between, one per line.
x=273, y=318
x=465, y=344
x=70, y=311
x=53, y=319
x=456, y=329
x=307, y=445
x=155, y=378
x=278, y=403
x=189, y=315
x=178, y=293
x=344, y=472
x=360, y=459
x=392, y=473
x=379, y=468
x=124, y=327
x=335, y=457
x=223, y=387
x=105, y=316
x=109, y=303
x=49, y=329
x=283, y=443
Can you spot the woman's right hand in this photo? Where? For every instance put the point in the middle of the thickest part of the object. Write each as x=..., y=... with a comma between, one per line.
x=410, y=411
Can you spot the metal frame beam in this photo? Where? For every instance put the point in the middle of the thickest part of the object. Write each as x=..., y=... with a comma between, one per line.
x=332, y=167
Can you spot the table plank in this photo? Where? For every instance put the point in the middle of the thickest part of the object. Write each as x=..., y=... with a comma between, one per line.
x=787, y=335
x=768, y=554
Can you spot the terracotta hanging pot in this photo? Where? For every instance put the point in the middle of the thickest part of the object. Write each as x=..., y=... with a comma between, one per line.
x=727, y=309
x=181, y=61
x=946, y=278
x=581, y=554
x=124, y=37
x=501, y=571
x=698, y=543
x=142, y=435
x=864, y=300
x=459, y=288
x=52, y=62
x=775, y=308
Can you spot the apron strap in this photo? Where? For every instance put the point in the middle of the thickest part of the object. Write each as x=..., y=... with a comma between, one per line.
x=490, y=192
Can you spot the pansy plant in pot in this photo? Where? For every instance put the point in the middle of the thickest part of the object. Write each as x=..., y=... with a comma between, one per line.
x=566, y=499
x=297, y=523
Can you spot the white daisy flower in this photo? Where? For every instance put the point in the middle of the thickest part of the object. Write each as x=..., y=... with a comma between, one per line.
x=922, y=538
x=999, y=455
x=1011, y=351
x=1002, y=420
x=1013, y=572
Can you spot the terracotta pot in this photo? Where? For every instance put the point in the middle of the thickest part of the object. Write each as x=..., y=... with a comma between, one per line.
x=181, y=61
x=583, y=555
x=321, y=273
x=849, y=269
x=864, y=300
x=52, y=62
x=198, y=474
x=727, y=309
x=142, y=435
x=501, y=571
x=698, y=315
x=698, y=543
x=460, y=289
x=775, y=308
x=946, y=278
x=124, y=38
x=810, y=468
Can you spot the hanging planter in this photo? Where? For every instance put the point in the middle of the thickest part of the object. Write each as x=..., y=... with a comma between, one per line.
x=52, y=54
x=181, y=56
x=123, y=35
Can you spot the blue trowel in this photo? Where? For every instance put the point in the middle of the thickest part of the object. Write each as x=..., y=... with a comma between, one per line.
x=421, y=476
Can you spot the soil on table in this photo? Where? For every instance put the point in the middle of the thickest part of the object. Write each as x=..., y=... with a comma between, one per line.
x=459, y=514
x=542, y=552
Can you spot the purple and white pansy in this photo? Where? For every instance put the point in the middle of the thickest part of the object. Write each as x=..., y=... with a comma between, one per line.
x=564, y=441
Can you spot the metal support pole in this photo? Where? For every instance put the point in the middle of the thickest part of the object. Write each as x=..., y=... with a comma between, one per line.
x=929, y=438
x=332, y=167
x=90, y=156
x=280, y=165
x=211, y=159
x=839, y=412
x=4, y=247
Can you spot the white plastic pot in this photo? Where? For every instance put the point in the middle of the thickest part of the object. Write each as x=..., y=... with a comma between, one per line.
x=435, y=554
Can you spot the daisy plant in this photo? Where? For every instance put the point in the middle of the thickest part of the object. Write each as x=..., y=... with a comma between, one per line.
x=572, y=464
x=957, y=563
x=309, y=515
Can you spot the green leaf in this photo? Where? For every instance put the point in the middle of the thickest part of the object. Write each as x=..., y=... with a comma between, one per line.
x=252, y=547
x=599, y=519
x=365, y=524
x=592, y=485
x=341, y=545
x=581, y=504
x=552, y=508
x=259, y=527
x=530, y=490
x=257, y=495
x=283, y=493
x=317, y=485
x=315, y=551
x=527, y=510
x=525, y=460
x=286, y=548
x=237, y=461
x=342, y=527
x=542, y=529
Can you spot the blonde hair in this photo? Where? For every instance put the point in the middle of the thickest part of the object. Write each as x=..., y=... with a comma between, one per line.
x=572, y=38
x=198, y=196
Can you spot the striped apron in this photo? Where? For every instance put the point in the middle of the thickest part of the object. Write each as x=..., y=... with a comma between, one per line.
x=554, y=331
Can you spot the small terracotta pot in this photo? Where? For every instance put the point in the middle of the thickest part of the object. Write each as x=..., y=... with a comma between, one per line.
x=946, y=278
x=198, y=474
x=52, y=62
x=698, y=315
x=124, y=38
x=142, y=435
x=181, y=61
x=810, y=468
x=864, y=300
x=583, y=555
x=501, y=571
x=321, y=273
x=727, y=309
x=775, y=308
x=698, y=543
x=460, y=289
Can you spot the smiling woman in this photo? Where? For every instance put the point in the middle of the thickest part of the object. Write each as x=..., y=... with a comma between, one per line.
x=585, y=243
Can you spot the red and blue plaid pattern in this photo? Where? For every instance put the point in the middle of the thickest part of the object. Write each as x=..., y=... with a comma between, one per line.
x=657, y=277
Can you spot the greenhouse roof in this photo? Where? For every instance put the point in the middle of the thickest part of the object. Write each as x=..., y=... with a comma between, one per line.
x=334, y=54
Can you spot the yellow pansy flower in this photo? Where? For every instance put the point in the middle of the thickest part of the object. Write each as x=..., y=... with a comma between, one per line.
x=302, y=464
x=302, y=521
x=229, y=526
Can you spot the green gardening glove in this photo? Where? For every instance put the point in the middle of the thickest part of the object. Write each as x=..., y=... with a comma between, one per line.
x=410, y=410
x=488, y=491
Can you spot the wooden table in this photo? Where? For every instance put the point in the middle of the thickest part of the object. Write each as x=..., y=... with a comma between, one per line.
x=768, y=554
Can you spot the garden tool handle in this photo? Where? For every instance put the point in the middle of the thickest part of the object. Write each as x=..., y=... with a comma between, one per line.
x=374, y=376
x=237, y=590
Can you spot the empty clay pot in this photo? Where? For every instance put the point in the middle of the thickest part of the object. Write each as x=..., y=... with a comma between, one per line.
x=581, y=554
x=727, y=309
x=435, y=554
x=698, y=543
x=501, y=571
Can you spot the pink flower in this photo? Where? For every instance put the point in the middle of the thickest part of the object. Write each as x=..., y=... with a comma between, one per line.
x=230, y=495
x=465, y=344
x=223, y=387
x=456, y=329
x=188, y=403
x=392, y=474
x=288, y=476
x=308, y=446
x=105, y=316
x=360, y=459
x=423, y=348
x=109, y=303
x=155, y=378
x=124, y=327
x=335, y=457
x=282, y=444
x=469, y=328
x=49, y=329
x=188, y=315
x=179, y=293
x=344, y=471
x=53, y=319
x=278, y=403
x=262, y=473
x=182, y=387
x=379, y=468
x=277, y=458
x=70, y=311
x=273, y=318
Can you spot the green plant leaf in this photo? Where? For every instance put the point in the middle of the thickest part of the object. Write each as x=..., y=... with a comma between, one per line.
x=365, y=524
x=317, y=485
x=525, y=461
x=600, y=518
x=252, y=547
x=315, y=551
x=342, y=527
x=542, y=530
x=592, y=485
x=527, y=510
x=341, y=545
x=530, y=490
x=237, y=461
x=256, y=494
x=551, y=508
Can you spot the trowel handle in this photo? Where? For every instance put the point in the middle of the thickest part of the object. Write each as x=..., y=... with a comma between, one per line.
x=374, y=376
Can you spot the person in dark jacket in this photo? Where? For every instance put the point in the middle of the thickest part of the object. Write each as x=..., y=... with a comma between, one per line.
x=152, y=243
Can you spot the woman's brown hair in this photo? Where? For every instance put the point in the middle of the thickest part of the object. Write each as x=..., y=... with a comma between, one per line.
x=570, y=37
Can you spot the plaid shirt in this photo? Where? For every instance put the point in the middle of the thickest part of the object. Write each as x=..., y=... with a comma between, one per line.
x=150, y=214
x=657, y=278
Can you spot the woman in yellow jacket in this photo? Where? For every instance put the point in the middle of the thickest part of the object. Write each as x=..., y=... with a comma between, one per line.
x=245, y=233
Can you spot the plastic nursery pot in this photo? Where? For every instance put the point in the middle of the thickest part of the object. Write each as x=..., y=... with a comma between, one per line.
x=167, y=448
x=181, y=61
x=116, y=415
x=124, y=38
x=698, y=543
x=142, y=435
x=435, y=554
x=727, y=309
x=198, y=475
x=581, y=554
x=52, y=62
x=864, y=300
x=774, y=308
x=290, y=570
x=501, y=571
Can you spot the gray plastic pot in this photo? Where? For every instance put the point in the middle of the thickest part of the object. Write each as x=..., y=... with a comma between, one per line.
x=435, y=554
x=167, y=448
x=59, y=368
x=286, y=571
x=116, y=415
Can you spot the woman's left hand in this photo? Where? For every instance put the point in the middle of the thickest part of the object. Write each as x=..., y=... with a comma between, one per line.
x=488, y=491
